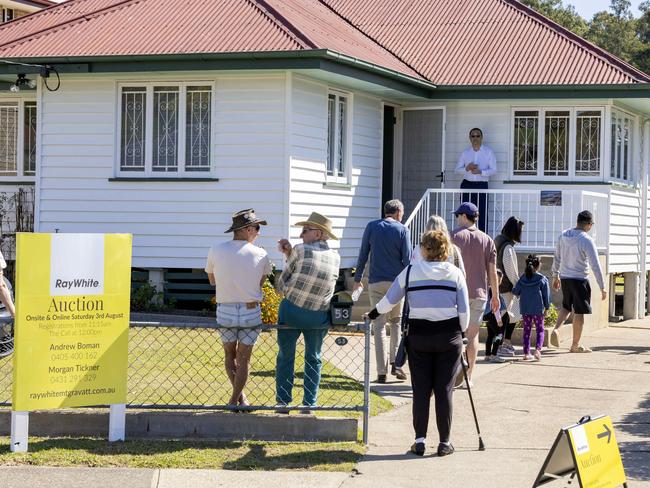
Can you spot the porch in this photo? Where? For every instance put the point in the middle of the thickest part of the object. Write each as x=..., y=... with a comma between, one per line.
x=545, y=212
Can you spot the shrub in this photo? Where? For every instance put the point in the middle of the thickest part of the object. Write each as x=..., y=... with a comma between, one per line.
x=551, y=317
x=270, y=303
x=146, y=298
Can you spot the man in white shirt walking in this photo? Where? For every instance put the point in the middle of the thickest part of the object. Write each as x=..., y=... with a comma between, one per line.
x=237, y=269
x=574, y=254
x=477, y=163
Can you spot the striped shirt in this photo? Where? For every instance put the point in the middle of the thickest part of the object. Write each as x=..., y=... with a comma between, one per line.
x=437, y=291
x=309, y=277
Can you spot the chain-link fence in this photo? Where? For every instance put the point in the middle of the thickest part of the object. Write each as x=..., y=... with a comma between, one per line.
x=182, y=366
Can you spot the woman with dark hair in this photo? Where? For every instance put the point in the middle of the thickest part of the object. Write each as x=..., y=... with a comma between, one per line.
x=507, y=263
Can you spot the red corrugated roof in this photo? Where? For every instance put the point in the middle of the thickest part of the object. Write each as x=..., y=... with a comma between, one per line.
x=484, y=42
x=142, y=27
x=460, y=42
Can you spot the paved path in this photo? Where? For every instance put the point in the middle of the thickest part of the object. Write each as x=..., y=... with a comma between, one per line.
x=521, y=407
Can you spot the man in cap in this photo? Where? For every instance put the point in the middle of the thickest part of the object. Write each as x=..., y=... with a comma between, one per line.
x=480, y=259
x=574, y=253
x=388, y=243
x=308, y=281
x=237, y=269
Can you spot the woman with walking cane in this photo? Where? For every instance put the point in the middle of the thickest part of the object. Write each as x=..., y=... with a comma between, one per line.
x=437, y=305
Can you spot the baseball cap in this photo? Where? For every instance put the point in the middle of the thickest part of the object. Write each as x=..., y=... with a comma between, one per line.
x=466, y=208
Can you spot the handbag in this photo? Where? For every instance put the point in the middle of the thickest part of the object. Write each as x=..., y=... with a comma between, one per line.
x=400, y=356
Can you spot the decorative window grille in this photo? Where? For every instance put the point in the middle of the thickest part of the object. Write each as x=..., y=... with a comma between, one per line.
x=8, y=138
x=166, y=129
x=525, y=142
x=569, y=144
x=29, y=139
x=556, y=143
x=622, y=126
x=337, y=125
x=134, y=106
x=198, y=122
x=588, y=143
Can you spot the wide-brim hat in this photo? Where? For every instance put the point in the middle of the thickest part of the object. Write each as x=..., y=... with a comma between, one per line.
x=320, y=222
x=244, y=218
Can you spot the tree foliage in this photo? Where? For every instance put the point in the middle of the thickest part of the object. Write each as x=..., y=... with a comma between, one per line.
x=615, y=30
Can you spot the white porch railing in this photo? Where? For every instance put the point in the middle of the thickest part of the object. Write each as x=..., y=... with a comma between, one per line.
x=543, y=223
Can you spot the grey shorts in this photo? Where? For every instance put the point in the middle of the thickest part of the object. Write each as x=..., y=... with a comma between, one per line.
x=238, y=323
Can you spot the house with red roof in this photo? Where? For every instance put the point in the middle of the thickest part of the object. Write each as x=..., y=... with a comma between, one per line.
x=158, y=119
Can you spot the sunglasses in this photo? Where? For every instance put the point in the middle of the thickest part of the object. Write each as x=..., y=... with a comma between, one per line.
x=307, y=229
x=256, y=227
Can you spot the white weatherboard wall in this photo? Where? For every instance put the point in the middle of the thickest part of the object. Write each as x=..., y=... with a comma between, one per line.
x=349, y=208
x=625, y=231
x=173, y=223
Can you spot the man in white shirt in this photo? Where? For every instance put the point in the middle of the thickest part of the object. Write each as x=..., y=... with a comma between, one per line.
x=477, y=163
x=237, y=269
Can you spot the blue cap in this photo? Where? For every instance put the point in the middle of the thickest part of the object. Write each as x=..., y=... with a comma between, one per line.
x=467, y=208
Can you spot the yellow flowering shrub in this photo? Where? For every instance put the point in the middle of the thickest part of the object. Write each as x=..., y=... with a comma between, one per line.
x=270, y=303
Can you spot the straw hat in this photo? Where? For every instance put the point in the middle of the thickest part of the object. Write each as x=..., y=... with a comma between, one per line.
x=320, y=222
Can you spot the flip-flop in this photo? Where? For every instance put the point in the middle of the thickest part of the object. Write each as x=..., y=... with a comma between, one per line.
x=580, y=349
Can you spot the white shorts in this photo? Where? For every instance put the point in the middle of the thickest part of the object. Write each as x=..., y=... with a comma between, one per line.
x=238, y=323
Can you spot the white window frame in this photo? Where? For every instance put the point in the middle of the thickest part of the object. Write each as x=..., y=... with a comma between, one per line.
x=20, y=175
x=620, y=114
x=542, y=110
x=149, y=122
x=343, y=177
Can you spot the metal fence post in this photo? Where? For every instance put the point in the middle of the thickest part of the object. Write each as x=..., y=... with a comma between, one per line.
x=366, y=379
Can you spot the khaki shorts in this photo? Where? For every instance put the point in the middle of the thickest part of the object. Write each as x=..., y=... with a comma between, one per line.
x=476, y=310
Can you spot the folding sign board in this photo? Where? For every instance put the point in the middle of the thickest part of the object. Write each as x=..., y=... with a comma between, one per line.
x=72, y=321
x=587, y=450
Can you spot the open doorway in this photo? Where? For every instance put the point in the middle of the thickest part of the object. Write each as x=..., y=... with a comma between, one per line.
x=388, y=160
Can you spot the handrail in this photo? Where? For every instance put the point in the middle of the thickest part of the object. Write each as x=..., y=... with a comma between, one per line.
x=417, y=207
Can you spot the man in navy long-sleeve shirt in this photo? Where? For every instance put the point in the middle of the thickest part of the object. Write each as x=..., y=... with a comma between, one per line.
x=389, y=244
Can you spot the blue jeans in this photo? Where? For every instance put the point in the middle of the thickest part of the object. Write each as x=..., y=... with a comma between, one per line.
x=284, y=372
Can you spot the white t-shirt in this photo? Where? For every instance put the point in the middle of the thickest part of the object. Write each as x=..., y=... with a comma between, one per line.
x=238, y=267
x=3, y=263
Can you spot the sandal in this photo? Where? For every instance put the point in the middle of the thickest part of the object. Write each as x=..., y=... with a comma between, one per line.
x=580, y=349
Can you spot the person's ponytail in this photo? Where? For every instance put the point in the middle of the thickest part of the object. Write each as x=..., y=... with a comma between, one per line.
x=532, y=264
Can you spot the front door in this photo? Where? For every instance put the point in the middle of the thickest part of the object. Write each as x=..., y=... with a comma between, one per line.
x=422, y=153
x=388, y=164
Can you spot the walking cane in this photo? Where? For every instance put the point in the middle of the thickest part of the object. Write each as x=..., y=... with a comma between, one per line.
x=463, y=359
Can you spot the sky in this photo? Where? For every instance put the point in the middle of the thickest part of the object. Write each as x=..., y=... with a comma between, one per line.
x=587, y=8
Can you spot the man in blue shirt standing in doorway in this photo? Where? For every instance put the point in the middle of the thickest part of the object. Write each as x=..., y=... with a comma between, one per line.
x=388, y=243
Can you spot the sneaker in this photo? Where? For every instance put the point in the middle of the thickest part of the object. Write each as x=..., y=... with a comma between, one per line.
x=381, y=379
x=497, y=359
x=397, y=372
x=554, y=340
x=418, y=448
x=506, y=352
x=538, y=355
x=528, y=357
x=445, y=449
x=487, y=359
x=305, y=411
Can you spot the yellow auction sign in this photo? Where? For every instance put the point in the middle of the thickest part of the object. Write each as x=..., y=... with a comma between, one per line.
x=596, y=454
x=587, y=450
x=72, y=320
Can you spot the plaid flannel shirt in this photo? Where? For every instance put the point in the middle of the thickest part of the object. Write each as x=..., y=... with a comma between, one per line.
x=309, y=277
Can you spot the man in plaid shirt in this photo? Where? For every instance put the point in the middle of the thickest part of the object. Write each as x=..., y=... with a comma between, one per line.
x=308, y=281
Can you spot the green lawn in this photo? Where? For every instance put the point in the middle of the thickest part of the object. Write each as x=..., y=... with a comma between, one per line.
x=176, y=366
x=89, y=452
